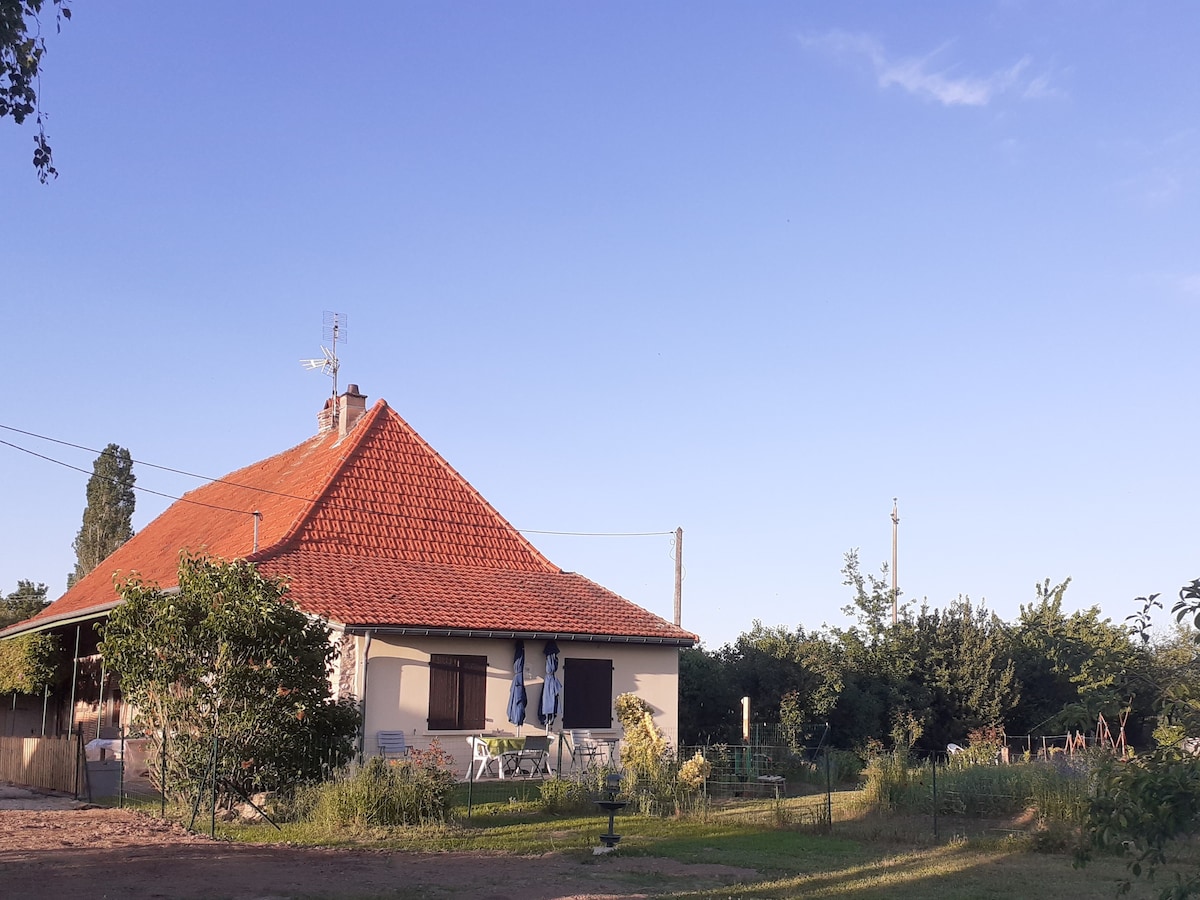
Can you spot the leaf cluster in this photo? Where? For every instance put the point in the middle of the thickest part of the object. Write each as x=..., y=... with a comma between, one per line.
x=29, y=663
x=22, y=48
x=228, y=655
x=25, y=602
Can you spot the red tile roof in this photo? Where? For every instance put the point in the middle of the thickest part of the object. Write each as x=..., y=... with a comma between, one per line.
x=374, y=529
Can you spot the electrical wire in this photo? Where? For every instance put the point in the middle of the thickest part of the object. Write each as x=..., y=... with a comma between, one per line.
x=262, y=490
x=144, y=490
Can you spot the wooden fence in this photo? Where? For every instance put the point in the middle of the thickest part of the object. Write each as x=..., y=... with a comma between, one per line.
x=51, y=763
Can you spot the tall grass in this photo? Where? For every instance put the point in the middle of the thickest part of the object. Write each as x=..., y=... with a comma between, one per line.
x=412, y=791
x=1056, y=789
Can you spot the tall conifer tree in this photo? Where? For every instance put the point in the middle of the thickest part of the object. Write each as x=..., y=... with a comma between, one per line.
x=108, y=516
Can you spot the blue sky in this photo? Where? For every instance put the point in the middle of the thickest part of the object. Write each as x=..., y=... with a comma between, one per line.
x=749, y=269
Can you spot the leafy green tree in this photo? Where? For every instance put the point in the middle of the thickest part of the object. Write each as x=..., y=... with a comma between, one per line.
x=966, y=675
x=26, y=601
x=1144, y=805
x=1073, y=668
x=872, y=604
x=228, y=655
x=108, y=516
x=22, y=47
x=708, y=698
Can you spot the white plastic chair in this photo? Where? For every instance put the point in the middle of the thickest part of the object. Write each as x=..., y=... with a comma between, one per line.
x=483, y=756
x=586, y=751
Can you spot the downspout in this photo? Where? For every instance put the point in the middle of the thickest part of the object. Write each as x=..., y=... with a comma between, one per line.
x=362, y=700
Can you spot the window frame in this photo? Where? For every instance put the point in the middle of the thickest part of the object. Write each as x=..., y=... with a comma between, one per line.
x=457, y=692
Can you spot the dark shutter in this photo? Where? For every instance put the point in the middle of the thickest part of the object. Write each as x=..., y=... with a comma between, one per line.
x=473, y=683
x=587, y=693
x=443, y=692
x=457, y=692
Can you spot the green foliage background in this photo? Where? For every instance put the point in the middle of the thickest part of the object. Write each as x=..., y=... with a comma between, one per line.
x=28, y=663
x=940, y=674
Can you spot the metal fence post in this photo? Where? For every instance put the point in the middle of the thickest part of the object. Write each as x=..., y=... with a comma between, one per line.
x=162, y=784
x=935, y=797
x=78, y=757
x=212, y=828
x=828, y=794
x=470, y=778
x=121, y=782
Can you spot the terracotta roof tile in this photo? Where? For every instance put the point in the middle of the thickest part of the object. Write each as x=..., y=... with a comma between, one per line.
x=373, y=529
x=410, y=594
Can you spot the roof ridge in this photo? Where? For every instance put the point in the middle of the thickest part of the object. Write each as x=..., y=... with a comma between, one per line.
x=356, y=436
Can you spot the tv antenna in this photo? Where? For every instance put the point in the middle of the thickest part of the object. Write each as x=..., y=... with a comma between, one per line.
x=335, y=325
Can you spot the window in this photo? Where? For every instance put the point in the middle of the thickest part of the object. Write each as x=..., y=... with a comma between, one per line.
x=457, y=692
x=587, y=693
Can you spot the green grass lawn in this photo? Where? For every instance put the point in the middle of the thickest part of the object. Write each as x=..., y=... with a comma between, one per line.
x=865, y=856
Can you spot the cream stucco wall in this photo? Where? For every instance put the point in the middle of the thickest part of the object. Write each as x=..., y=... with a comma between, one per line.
x=397, y=685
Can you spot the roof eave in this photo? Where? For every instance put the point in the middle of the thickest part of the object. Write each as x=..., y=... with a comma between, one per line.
x=502, y=634
x=71, y=618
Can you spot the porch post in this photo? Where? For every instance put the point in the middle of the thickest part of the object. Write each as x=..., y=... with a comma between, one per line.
x=74, y=678
x=45, y=701
x=100, y=707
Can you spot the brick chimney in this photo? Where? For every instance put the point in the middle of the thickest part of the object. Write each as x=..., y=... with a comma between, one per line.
x=352, y=406
x=342, y=413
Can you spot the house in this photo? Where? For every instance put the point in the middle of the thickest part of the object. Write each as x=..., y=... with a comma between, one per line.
x=427, y=589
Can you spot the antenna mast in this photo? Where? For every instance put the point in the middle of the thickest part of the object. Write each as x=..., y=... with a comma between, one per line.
x=334, y=330
x=895, y=528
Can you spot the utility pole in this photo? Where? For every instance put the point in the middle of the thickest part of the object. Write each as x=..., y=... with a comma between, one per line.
x=678, y=576
x=895, y=529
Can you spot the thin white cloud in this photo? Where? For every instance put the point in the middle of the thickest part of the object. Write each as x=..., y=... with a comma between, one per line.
x=920, y=76
x=1189, y=284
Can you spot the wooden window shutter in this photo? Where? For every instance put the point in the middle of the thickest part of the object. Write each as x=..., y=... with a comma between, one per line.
x=587, y=693
x=473, y=686
x=443, y=692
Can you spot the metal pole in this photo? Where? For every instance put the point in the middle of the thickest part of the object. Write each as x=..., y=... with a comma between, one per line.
x=362, y=702
x=895, y=562
x=678, y=576
x=935, y=799
x=45, y=701
x=828, y=794
x=121, y=784
x=74, y=680
x=162, y=784
x=470, y=777
x=212, y=828
x=78, y=738
x=100, y=707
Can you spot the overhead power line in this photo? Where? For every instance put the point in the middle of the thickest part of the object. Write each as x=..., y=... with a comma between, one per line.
x=262, y=490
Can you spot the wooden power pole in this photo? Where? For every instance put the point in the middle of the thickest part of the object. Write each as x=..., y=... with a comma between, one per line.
x=678, y=576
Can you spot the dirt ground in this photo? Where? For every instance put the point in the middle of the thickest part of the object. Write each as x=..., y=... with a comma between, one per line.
x=53, y=847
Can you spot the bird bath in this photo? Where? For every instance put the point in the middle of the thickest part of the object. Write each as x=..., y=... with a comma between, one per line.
x=612, y=785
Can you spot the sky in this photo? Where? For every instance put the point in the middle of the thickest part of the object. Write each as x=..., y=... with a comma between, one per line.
x=752, y=270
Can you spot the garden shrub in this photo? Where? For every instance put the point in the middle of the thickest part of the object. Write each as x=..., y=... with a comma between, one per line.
x=414, y=790
x=656, y=782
